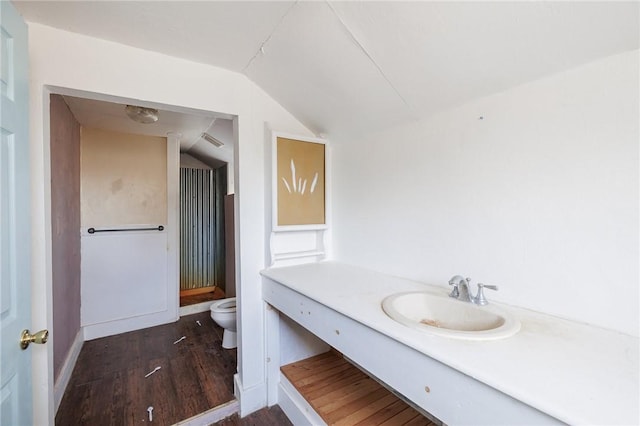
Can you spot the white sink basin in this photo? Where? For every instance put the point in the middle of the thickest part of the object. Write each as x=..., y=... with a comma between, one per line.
x=443, y=316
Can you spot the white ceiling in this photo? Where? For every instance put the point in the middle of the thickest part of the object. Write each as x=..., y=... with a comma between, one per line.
x=111, y=116
x=347, y=67
x=190, y=126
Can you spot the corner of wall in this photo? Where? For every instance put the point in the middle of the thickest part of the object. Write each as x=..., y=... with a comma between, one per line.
x=68, y=365
x=64, y=132
x=251, y=399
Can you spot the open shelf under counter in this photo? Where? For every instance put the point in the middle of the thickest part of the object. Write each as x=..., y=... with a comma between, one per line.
x=342, y=394
x=548, y=373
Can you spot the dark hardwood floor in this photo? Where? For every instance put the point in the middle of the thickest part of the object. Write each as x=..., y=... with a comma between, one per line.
x=108, y=384
x=273, y=416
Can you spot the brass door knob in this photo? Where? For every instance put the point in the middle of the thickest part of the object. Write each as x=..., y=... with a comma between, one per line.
x=26, y=338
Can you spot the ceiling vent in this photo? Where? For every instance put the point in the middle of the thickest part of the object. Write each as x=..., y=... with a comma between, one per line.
x=207, y=137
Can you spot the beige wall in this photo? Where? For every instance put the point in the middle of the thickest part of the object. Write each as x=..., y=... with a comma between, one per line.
x=123, y=179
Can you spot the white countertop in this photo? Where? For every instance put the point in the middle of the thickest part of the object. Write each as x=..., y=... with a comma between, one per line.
x=577, y=373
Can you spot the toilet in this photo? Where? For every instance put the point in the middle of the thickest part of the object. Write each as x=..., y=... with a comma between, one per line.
x=223, y=312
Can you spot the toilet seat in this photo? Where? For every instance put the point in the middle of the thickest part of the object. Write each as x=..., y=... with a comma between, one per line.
x=224, y=305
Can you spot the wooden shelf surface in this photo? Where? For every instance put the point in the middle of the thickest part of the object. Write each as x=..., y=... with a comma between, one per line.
x=342, y=394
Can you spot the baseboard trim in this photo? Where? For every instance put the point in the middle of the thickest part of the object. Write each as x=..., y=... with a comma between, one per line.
x=195, y=309
x=295, y=406
x=110, y=328
x=67, y=368
x=251, y=399
x=213, y=415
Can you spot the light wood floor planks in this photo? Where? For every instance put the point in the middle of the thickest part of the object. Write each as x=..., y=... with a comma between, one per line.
x=186, y=300
x=343, y=395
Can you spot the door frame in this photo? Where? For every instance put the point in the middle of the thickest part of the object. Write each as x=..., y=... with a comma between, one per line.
x=45, y=391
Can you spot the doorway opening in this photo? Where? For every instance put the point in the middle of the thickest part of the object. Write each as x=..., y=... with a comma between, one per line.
x=151, y=255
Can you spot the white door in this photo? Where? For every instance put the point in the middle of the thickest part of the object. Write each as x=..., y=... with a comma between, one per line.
x=15, y=302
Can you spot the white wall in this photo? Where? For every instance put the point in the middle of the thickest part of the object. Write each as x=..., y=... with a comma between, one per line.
x=539, y=196
x=190, y=162
x=125, y=275
x=296, y=342
x=76, y=64
x=125, y=284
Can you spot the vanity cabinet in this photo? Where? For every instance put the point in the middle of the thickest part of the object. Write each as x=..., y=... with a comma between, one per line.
x=441, y=390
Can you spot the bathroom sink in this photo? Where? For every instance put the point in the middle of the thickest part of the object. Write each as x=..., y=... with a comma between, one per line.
x=443, y=316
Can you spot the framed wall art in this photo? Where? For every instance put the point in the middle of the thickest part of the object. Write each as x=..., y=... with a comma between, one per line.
x=299, y=183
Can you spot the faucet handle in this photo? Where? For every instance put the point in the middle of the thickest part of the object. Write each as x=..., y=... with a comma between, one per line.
x=480, y=299
x=490, y=287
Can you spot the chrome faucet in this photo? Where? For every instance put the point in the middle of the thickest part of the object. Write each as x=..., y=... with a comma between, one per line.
x=461, y=290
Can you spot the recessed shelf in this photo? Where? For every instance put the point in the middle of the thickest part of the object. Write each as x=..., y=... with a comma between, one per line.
x=342, y=394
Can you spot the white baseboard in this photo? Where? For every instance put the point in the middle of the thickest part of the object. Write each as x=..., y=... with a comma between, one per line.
x=295, y=406
x=195, y=309
x=251, y=399
x=67, y=368
x=110, y=328
x=213, y=415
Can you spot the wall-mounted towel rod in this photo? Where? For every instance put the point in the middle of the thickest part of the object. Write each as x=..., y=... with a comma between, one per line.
x=94, y=230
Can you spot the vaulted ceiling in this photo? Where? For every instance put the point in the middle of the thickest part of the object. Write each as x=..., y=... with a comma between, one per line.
x=346, y=67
